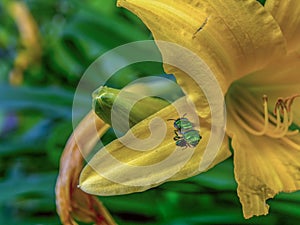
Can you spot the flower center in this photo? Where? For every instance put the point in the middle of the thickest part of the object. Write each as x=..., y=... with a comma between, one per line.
x=278, y=123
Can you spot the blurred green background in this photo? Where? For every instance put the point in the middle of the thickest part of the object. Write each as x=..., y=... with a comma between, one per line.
x=35, y=123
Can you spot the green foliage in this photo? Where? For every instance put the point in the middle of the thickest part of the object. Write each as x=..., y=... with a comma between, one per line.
x=262, y=2
x=35, y=123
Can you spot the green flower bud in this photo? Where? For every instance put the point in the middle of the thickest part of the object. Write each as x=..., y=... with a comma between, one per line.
x=105, y=99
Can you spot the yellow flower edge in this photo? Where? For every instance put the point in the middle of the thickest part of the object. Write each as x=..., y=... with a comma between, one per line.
x=287, y=15
x=238, y=36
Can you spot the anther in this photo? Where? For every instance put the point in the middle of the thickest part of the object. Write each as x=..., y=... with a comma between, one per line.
x=284, y=107
x=281, y=119
x=275, y=125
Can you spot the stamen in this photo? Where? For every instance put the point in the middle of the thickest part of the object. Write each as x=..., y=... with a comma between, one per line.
x=283, y=106
x=292, y=132
x=278, y=121
x=274, y=126
x=285, y=124
x=266, y=114
x=289, y=101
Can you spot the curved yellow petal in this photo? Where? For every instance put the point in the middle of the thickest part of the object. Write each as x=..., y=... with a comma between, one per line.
x=194, y=91
x=263, y=166
x=233, y=37
x=287, y=14
x=126, y=165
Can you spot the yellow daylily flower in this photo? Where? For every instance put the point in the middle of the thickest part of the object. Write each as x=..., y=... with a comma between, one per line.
x=253, y=52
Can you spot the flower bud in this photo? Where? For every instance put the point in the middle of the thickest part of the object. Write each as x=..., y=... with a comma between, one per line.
x=122, y=102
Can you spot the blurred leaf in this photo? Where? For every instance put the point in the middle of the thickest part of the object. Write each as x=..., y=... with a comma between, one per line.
x=57, y=140
x=262, y=2
x=291, y=209
x=221, y=177
x=226, y=216
x=15, y=187
x=53, y=101
x=31, y=141
x=295, y=196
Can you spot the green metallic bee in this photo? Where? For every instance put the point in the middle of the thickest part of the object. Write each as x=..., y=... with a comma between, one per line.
x=185, y=134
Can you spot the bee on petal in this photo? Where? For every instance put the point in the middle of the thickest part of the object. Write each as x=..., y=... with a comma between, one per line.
x=185, y=134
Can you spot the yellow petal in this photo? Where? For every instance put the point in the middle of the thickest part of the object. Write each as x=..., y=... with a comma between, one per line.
x=263, y=166
x=119, y=169
x=71, y=201
x=287, y=14
x=194, y=91
x=281, y=78
x=233, y=37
